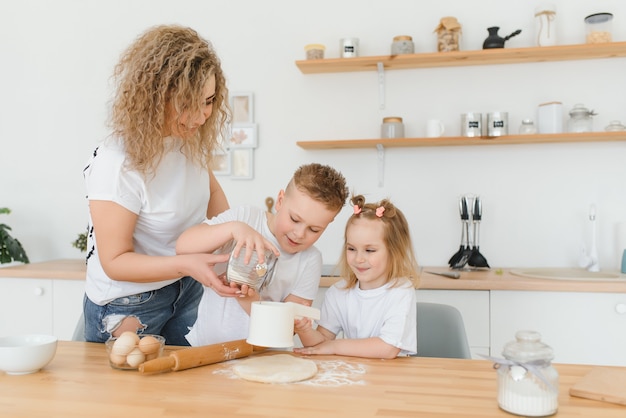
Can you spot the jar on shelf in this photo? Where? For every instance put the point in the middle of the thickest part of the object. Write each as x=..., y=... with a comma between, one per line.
x=314, y=51
x=392, y=127
x=598, y=27
x=402, y=44
x=349, y=47
x=448, y=34
x=615, y=126
x=528, y=385
x=527, y=127
x=545, y=25
x=581, y=119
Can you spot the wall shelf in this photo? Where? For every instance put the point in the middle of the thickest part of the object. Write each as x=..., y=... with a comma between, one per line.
x=461, y=140
x=465, y=58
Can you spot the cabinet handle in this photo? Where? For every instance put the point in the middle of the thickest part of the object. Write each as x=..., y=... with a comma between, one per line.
x=620, y=308
x=38, y=291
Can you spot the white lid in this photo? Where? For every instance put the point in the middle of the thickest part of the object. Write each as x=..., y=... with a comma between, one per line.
x=527, y=347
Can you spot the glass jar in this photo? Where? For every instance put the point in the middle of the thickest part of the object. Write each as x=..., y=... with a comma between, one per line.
x=615, y=126
x=527, y=127
x=580, y=119
x=545, y=25
x=598, y=28
x=402, y=44
x=448, y=34
x=392, y=127
x=528, y=385
x=314, y=51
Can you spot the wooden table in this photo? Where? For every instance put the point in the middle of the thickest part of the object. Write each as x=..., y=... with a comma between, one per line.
x=80, y=383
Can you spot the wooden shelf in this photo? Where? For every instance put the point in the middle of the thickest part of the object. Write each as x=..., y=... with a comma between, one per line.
x=464, y=58
x=461, y=140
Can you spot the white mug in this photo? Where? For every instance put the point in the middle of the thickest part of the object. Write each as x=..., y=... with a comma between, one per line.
x=271, y=323
x=434, y=128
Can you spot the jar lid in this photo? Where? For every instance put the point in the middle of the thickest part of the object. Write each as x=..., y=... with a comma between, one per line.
x=598, y=18
x=527, y=122
x=580, y=110
x=314, y=46
x=615, y=126
x=402, y=38
x=527, y=347
x=392, y=119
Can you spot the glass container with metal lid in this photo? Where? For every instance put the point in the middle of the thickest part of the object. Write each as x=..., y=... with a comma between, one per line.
x=581, y=119
x=528, y=385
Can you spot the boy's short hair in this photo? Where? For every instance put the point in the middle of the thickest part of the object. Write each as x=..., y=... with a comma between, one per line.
x=322, y=183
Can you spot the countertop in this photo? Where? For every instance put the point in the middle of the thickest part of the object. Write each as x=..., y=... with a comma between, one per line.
x=492, y=279
x=79, y=382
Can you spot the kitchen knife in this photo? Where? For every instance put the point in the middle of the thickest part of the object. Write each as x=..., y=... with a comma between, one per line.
x=187, y=358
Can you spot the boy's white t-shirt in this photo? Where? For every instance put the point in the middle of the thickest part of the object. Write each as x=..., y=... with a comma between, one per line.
x=168, y=203
x=386, y=312
x=222, y=319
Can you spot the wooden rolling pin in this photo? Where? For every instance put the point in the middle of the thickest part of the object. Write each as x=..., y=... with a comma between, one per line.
x=187, y=358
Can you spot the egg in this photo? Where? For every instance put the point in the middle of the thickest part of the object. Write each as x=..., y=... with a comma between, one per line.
x=125, y=343
x=135, y=357
x=117, y=359
x=149, y=345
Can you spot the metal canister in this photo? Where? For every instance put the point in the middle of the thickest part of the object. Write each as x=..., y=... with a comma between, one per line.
x=497, y=124
x=349, y=47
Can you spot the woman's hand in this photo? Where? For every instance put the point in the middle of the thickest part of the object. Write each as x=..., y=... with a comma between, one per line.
x=200, y=267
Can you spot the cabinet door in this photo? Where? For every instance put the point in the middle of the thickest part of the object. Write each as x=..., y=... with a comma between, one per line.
x=67, y=306
x=474, y=308
x=25, y=306
x=583, y=328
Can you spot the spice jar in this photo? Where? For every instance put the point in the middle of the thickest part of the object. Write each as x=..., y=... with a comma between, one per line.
x=392, y=127
x=615, y=126
x=545, y=25
x=598, y=28
x=448, y=34
x=402, y=44
x=527, y=127
x=528, y=385
x=581, y=119
x=314, y=51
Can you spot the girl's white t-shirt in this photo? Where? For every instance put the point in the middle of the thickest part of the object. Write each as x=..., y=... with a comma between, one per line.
x=175, y=198
x=386, y=312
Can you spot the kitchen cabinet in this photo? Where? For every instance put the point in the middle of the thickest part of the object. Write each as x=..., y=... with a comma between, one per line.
x=583, y=328
x=464, y=58
x=36, y=305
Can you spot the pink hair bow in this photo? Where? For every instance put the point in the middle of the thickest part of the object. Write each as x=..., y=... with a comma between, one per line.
x=357, y=209
x=379, y=211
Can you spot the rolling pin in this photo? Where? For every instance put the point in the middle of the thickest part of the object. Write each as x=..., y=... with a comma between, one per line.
x=187, y=358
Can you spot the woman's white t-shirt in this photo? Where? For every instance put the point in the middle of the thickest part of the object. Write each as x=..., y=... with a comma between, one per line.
x=175, y=198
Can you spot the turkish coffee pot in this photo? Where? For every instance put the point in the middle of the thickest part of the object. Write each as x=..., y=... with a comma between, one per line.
x=496, y=41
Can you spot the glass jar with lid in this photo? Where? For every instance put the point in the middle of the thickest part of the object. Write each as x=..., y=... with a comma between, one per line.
x=527, y=127
x=581, y=119
x=615, y=126
x=528, y=385
x=402, y=44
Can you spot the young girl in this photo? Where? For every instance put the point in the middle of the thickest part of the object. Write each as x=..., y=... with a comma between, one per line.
x=375, y=306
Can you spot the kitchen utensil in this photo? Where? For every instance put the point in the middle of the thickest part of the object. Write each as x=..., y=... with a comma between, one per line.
x=496, y=41
x=467, y=249
x=271, y=323
x=456, y=256
x=602, y=384
x=187, y=358
x=450, y=275
x=476, y=259
x=27, y=353
x=254, y=274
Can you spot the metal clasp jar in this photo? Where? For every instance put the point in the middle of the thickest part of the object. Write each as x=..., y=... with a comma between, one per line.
x=581, y=119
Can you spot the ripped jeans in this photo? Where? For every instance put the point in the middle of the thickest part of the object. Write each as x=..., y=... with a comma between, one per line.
x=169, y=311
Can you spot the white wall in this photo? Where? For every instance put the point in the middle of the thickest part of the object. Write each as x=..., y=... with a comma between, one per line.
x=57, y=58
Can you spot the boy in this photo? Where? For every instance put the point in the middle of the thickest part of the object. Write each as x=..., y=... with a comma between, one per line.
x=310, y=202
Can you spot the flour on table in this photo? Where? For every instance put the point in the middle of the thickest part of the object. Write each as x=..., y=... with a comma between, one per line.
x=279, y=368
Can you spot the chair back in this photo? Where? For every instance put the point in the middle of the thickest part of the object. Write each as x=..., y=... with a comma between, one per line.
x=441, y=332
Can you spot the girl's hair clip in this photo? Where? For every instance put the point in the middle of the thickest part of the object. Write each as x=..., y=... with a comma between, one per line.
x=357, y=209
x=379, y=211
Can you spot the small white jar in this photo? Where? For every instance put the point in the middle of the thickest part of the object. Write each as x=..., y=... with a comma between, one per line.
x=392, y=127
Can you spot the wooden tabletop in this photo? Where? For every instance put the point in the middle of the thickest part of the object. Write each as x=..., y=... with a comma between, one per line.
x=80, y=383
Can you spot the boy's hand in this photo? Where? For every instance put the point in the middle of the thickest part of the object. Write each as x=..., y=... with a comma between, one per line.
x=246, y=236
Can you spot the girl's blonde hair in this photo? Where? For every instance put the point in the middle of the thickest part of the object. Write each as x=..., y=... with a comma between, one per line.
x=396, y=236
x=167, y=66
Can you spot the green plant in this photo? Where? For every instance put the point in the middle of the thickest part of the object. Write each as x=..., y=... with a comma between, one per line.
x=81, y=242
x=10, y=248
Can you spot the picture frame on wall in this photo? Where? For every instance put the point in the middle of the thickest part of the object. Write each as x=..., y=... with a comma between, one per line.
x=242, y=107
x=243, y=135
x=221, y=163
x=242, y=160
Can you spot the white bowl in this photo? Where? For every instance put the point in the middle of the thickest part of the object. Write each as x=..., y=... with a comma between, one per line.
x=23, y=354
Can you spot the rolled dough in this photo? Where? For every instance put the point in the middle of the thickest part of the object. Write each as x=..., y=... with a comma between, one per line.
x=279, y=368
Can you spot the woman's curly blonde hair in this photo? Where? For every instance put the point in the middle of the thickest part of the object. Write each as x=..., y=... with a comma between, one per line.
x=166, y=65
x=402, y=262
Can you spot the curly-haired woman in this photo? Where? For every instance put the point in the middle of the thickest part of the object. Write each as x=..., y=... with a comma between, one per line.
x=148, y=182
